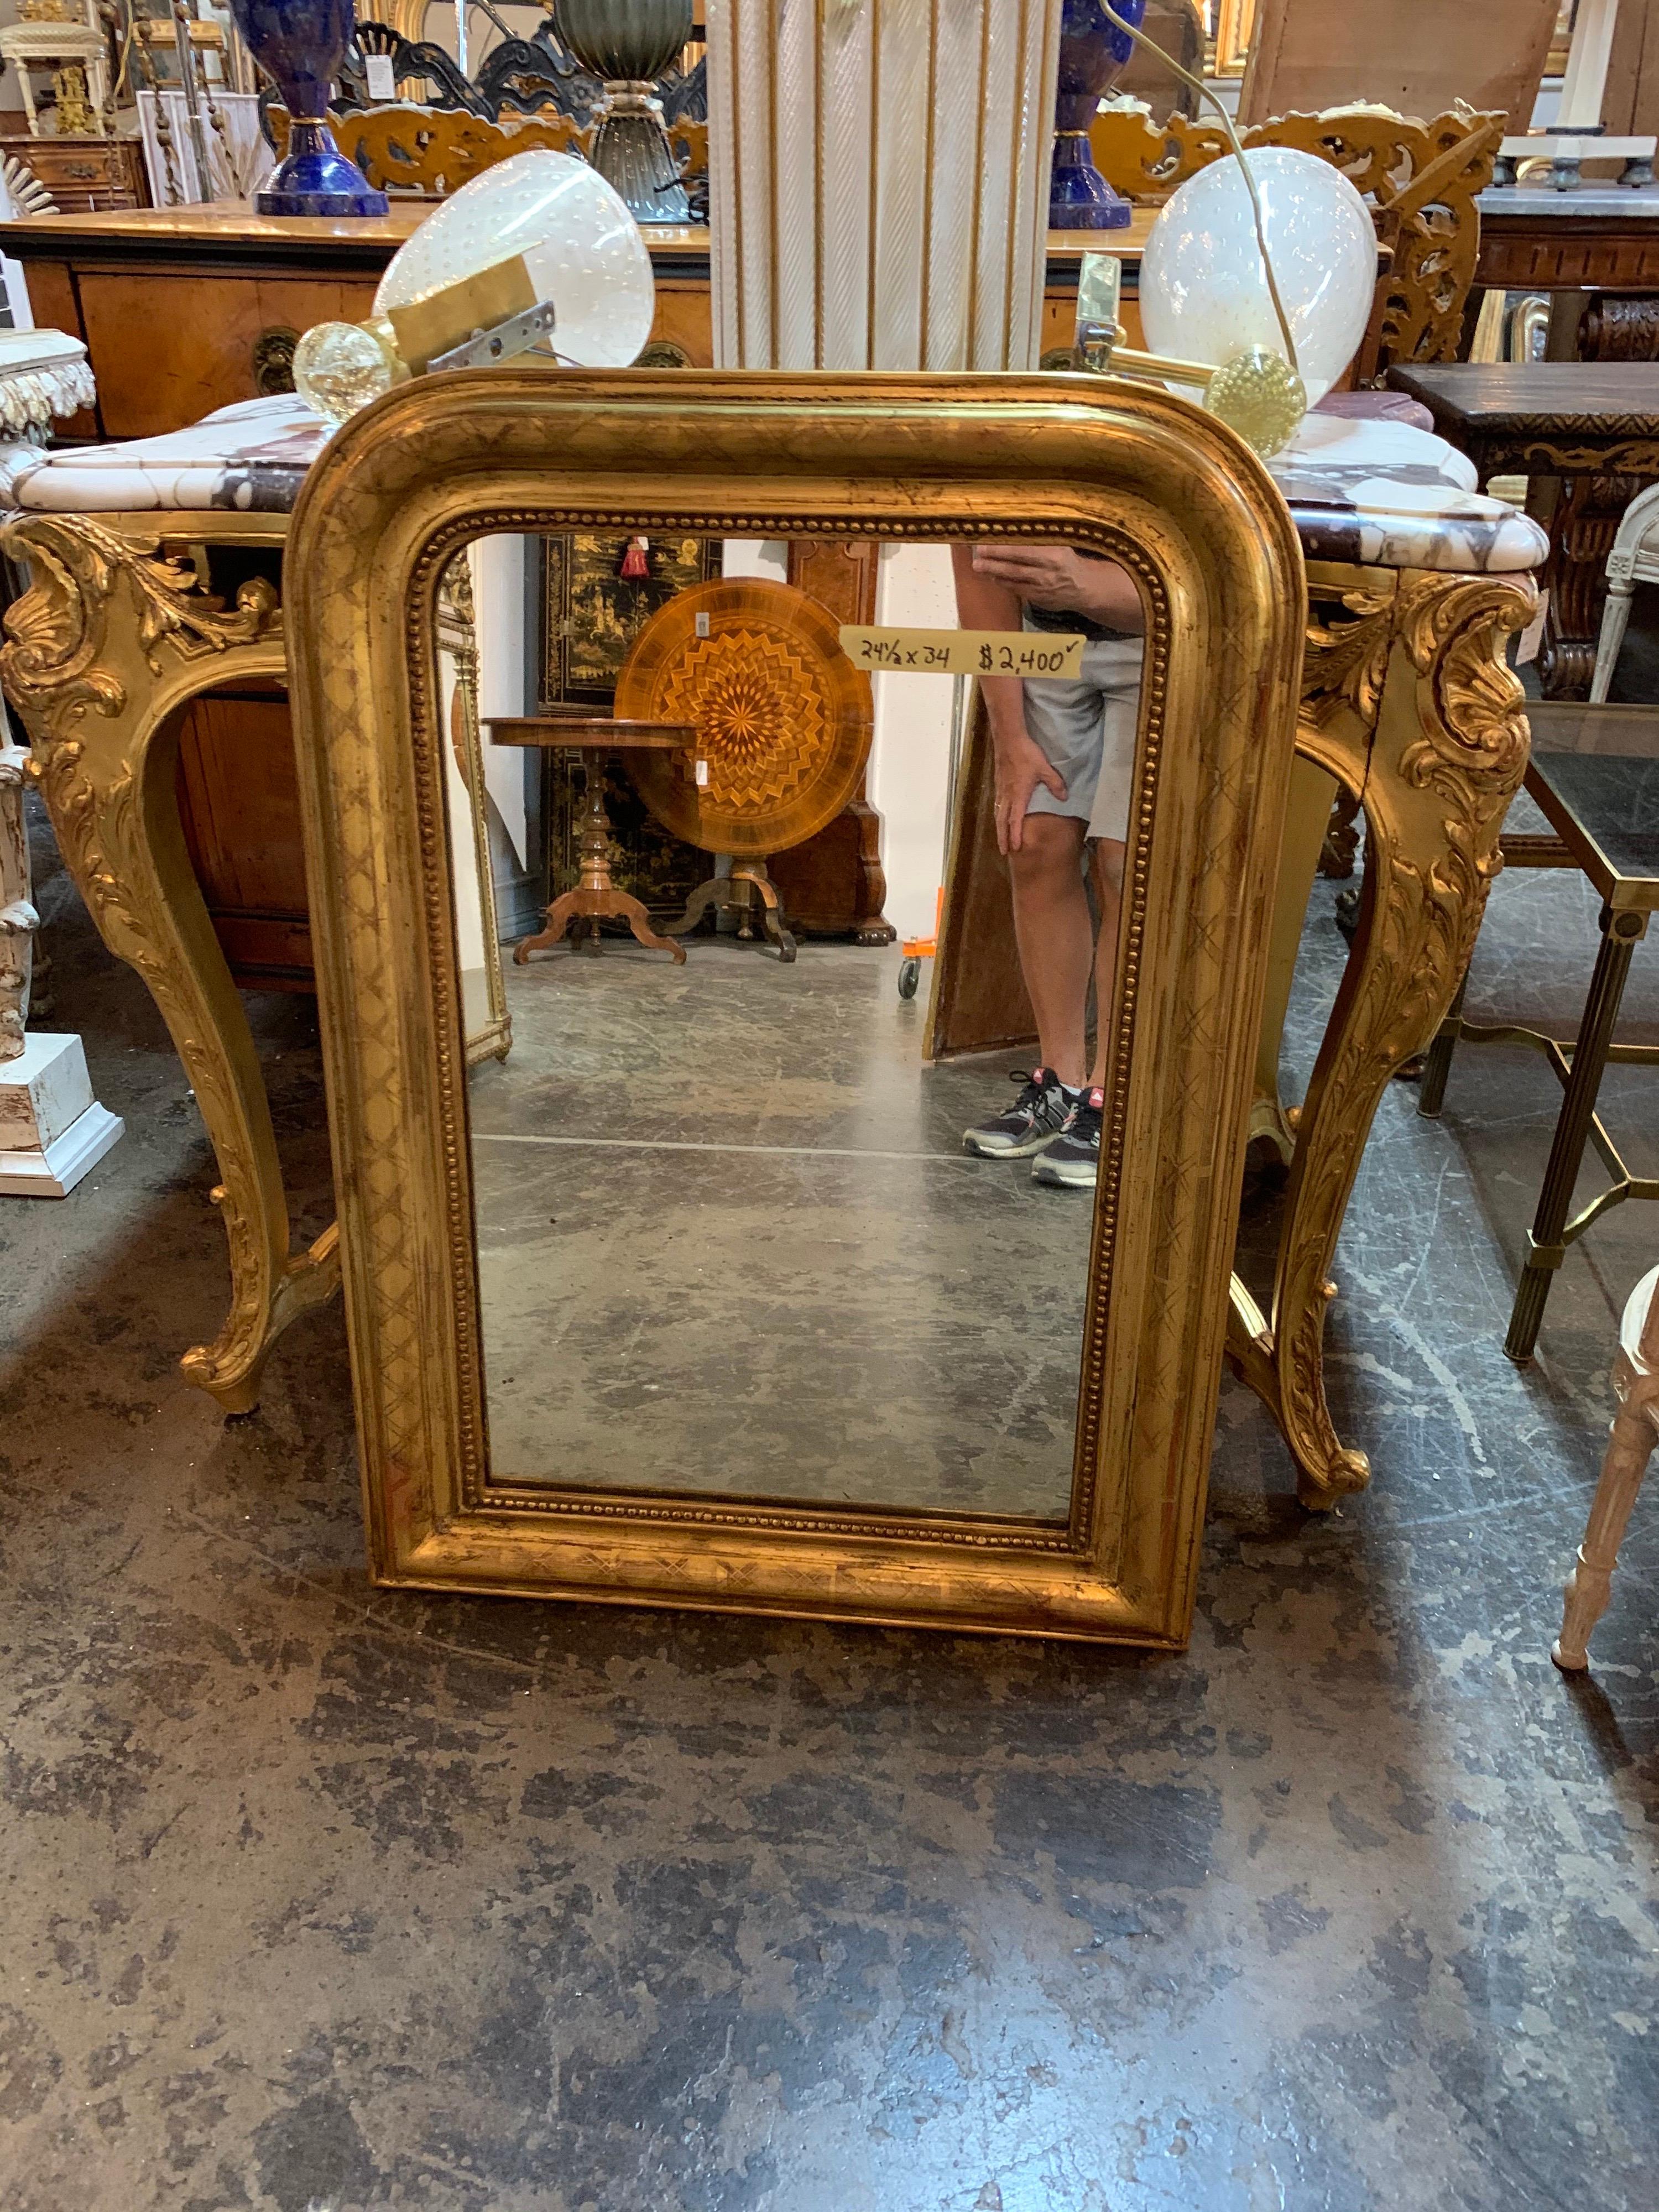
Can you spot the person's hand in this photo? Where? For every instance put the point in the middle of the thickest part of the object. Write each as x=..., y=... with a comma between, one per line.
x=1050, y=576
x=1021, y=766
x=1064, y=581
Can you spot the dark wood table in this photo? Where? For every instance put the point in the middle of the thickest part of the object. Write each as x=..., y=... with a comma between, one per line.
x=1565, y=425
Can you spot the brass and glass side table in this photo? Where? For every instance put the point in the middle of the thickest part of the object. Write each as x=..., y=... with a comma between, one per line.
x=1594, y=772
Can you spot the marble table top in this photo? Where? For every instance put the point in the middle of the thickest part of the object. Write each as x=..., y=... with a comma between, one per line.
x=1637, y=203
x=1390, y=496
x=250, y=459
x=1379, y=493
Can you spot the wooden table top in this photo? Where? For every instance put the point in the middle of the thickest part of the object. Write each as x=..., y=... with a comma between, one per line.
x=230, y=230
x=237, y=219
x=591, y=732
x=1619, y=396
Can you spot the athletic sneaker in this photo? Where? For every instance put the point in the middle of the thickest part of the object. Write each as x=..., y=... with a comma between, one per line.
x=1035, y=1119
x=1072, y=1161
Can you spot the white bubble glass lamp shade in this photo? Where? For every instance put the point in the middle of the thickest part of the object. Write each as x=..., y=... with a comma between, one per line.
x=1204, y=294
x=581, y=246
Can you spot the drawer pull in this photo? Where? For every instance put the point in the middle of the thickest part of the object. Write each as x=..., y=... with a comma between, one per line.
x=273, y=361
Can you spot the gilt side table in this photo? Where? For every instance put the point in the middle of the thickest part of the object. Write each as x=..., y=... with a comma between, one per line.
x=1409, y=709
x=154, y=580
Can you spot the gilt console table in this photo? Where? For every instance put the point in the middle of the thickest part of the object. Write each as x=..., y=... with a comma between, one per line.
x=1409, y=709
x=156, y=575
x=156, y=580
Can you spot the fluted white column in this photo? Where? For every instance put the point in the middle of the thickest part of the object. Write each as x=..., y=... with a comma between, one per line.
x=879, y=182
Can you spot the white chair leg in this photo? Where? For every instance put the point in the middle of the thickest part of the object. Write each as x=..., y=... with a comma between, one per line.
x=1629, y=1447
x=1614, y=618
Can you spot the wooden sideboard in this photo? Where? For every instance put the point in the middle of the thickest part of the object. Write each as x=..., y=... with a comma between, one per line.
x=1599, y=238
x=186, y=309
x=84, y=174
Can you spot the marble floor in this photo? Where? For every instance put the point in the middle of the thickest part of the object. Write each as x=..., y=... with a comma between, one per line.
x=323, y=1898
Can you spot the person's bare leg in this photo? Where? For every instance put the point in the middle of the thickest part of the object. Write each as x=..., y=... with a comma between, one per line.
x=1106, y=865
x=1054, y=931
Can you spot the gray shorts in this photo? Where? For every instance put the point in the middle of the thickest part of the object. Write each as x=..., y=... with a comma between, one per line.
x=1087, y=729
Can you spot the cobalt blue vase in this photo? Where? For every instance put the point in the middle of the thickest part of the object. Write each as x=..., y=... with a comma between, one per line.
x=1092, y=52
x=299, y=45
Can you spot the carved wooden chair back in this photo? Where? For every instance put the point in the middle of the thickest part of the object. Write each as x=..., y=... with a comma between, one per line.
x=1634, y=560
x=433, y=151
x=1419, y=179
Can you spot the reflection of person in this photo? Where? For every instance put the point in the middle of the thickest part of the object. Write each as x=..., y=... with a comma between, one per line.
x=1065, y=756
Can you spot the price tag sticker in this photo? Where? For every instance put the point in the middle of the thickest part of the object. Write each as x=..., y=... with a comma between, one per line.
x=382, y=77
x=1052, y=653
x=703, y=775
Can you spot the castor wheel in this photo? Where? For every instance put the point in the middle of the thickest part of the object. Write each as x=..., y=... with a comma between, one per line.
x=909, y=978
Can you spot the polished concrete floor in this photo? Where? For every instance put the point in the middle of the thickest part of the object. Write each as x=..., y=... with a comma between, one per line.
x=320, y=1898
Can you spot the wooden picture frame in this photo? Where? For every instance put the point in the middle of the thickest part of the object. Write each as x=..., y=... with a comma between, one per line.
x=1234, y=24
x=1232, y=27
x=1416, y=56
x=1130, y=472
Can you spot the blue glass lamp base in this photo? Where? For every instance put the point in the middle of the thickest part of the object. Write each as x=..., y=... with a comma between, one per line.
x=1113, y=213
x=1081, y=199
x=365, y=202
x=318, y=179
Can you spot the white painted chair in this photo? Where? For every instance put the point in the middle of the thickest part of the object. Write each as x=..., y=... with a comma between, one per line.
x=1635, y=1432
x=77, y=54
x=1634, y=560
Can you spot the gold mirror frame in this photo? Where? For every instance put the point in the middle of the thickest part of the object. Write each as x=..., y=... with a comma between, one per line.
x=1132, y=472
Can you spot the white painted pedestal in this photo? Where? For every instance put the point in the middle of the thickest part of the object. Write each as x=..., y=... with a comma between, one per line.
x=52, y=1129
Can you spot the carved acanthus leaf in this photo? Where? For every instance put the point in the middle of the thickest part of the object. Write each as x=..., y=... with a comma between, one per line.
x=1432, y=852
x=1344, y=663
x=55, y=632
x=1474, y=746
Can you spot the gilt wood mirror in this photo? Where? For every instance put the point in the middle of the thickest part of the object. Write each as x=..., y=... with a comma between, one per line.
x=696, y=1298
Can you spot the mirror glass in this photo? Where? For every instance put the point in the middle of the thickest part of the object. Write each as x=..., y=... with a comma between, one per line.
x=766, y=1205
